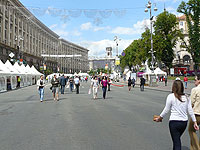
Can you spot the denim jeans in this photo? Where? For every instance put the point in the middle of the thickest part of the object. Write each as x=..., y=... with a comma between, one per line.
x=41, y=93
x=141, y=87
x=186, y=84
x=71, y=87
x=62, y=89
x=104, y=91
x=176, y=130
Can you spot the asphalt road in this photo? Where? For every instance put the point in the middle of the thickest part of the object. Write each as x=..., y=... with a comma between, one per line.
x=123, y=121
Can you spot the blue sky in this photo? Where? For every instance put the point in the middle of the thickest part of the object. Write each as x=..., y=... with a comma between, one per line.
x=94, y=23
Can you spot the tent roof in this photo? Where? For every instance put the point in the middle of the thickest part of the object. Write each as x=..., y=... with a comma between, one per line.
x=159, y=71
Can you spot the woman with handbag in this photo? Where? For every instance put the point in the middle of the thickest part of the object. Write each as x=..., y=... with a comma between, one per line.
x=180, y=105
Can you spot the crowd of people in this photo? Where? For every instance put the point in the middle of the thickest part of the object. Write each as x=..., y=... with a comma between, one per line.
x=177, y=102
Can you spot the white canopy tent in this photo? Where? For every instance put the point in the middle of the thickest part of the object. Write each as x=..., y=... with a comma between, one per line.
x=158, y=71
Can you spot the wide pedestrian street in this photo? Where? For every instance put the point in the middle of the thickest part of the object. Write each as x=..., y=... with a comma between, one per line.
x=123, y=121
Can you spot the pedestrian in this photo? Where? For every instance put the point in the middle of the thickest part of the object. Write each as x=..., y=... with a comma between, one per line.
x=71, y=84
x=104, y=84
x=95, y=87
x=185, y=79
x=179, y=105
x=165, y=78
x=129, y=83
x=142, y=83
x=55, y=87
x=18, y=81
x=77, y=84
x=62, y=83
x=133, y=82
x=109, y=83
x=41, y=84
x=195, y=100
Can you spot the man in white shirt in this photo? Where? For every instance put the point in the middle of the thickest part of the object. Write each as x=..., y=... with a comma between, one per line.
x=195, y=100
x=77, y=84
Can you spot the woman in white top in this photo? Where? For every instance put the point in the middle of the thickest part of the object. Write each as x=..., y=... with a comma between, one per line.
x=179, y=105
x=95, y=87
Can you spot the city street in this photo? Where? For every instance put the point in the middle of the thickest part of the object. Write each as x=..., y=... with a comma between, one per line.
x=123, y=121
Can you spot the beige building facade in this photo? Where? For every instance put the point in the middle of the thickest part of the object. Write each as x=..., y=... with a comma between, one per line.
x=24, y=35
x=182, y=57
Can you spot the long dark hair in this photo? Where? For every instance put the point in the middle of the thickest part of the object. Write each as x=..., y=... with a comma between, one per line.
x=178, y=89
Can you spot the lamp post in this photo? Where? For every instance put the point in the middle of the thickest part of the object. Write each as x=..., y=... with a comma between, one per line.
x=19, y=39
x=149, y=6
x=116, y=39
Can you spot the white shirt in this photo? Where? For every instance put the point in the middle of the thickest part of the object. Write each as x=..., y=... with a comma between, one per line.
x=76, y=80
x=178, y=109
x=95, y=83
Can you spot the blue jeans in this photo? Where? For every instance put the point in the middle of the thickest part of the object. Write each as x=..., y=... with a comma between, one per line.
x=71, y=86
x=186, y=84
x=176, y=130
x=41, y=93
x=62, y=89
x=104, y=91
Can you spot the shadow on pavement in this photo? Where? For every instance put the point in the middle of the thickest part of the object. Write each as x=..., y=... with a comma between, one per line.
x=185, y=148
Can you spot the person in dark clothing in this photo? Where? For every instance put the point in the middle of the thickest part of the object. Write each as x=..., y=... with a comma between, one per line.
x=133, y=82
x=62, y=83
x=129, y=84
x=142, y=83
x=109, y=83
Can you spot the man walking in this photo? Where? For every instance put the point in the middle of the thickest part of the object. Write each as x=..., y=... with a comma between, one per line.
x=62, y=83
x=77, y=84
x=142, y=83
x=133, y=82
x=41, y=84
x=195, y=100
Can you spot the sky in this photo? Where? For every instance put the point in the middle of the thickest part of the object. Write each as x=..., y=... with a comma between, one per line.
x=93, y=24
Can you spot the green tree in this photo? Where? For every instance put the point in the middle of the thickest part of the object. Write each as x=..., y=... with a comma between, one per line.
x=166, y=36
x=191, y=9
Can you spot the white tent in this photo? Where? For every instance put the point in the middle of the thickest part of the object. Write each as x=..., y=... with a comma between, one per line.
x=35, y=71
x=3, y=80
x=83, y=74
x=158, y=71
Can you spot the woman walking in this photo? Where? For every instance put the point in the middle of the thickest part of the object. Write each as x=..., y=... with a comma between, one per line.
x=95, y=87
x=180, y=105
x=104, y=84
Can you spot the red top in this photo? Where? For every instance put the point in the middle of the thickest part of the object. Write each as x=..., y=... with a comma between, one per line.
x=185, y=79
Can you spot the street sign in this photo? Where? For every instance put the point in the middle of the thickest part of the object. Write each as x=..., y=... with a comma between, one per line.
x=123, y=54
x=117, y=61
x=11, y=55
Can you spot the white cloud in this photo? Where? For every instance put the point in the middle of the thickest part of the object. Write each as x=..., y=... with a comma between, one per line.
x=86, y=26
x=137, y=28
x=98, y=48
x=89, y=26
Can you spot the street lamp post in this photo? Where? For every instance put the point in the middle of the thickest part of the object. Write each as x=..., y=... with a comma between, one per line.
x=19, y=39
x=149, y=6
x=116, y=39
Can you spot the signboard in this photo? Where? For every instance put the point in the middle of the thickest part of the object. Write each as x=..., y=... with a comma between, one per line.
x=117, y=61
x=123, y=54
x=45, y=67
x=106, y=66
x=11, y=55
x=172, y=71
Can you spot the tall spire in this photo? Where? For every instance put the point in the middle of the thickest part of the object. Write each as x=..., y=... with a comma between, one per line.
x=164, y=7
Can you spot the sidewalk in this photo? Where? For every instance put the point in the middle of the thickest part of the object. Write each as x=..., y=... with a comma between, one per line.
x=161, y=86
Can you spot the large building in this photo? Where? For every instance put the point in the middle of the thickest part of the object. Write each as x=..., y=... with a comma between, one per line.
x=27, y=38
x=183, y=59
x=105, y=62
